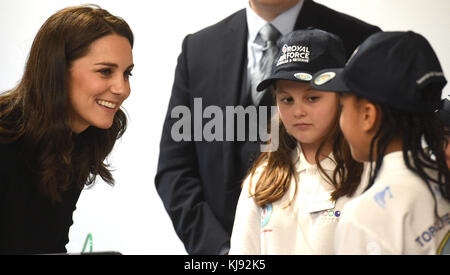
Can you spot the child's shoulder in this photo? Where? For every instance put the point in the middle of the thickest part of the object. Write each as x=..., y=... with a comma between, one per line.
x=392, y=196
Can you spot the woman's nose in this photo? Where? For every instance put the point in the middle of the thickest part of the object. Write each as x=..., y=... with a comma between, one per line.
x=121, y=87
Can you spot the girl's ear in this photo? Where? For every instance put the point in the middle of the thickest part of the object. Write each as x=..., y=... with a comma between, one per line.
x=371, y=116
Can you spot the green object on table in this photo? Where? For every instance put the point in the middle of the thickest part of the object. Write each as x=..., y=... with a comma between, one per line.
x=88, y=238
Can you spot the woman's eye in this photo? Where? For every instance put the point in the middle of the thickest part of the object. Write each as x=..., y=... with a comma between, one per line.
x=105, y=72
x=127, y=74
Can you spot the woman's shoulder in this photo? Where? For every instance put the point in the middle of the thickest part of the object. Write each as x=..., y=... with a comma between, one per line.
x=9, y=155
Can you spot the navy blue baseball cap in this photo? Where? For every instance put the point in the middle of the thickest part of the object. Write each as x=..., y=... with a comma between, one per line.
x=444, y=112
x=302, y=53
x=398, y=69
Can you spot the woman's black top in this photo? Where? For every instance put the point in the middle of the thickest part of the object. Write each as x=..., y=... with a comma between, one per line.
x=30, y=223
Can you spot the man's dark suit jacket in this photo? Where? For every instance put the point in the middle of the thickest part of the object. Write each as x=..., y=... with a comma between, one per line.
x=199, y=181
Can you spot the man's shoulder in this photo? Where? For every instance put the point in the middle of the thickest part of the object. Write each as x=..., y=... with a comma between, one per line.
x=237, y=19
x=324, y=13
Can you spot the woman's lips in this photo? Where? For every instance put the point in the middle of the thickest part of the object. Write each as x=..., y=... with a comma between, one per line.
x=108, y=105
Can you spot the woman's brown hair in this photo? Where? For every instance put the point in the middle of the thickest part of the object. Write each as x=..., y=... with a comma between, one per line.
x=35, y=112
x=279, y=167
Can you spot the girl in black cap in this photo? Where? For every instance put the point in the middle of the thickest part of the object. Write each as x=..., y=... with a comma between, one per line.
x=390, y=91
x=293, y=197
x=59, y=124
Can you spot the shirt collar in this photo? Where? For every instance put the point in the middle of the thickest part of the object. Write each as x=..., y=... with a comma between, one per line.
x=328, y=164
x=392, y=161
x=284, y=22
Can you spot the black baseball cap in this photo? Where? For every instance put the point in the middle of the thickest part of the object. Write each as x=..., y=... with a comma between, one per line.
x=399, y=69
x=444, y=112
x=302, y=53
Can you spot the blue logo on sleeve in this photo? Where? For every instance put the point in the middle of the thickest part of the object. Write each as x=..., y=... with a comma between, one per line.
x=266, y=214
x=380, y=197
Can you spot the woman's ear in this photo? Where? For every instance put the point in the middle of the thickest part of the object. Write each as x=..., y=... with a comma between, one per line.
x=371, y=116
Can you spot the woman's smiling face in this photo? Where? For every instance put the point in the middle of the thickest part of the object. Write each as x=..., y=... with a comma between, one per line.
x=99, y=83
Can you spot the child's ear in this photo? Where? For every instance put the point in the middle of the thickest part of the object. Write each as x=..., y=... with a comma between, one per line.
x=371, y=116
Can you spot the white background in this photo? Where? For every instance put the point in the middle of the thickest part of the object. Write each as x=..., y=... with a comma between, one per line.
x=130, y=216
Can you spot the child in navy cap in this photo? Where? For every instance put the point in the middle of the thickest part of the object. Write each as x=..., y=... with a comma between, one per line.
x=292, y=199
x=390, y=90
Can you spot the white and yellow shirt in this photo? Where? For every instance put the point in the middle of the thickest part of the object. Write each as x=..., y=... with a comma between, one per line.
x=395, y=216
x=307, y=226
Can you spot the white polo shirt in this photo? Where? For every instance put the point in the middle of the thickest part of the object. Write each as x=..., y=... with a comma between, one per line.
x=307, y=226
x=395, y=216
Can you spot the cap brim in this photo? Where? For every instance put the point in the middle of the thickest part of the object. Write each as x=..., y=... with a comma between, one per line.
x=284, y=75
x=330, y=80
x=265, y=83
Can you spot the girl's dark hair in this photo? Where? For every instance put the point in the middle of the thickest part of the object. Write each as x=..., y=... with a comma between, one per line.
x=413, y=129
x=35, y=112
x=276, y=177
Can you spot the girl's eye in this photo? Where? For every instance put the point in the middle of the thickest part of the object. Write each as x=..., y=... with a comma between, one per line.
x=286, y=99
x=313, y=98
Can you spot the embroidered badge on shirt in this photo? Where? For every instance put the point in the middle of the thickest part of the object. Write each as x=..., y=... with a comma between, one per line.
x=266, y=214
x=380, y=197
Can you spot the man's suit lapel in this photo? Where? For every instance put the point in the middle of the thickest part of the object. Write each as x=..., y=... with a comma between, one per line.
x=233, y=59
x=307, y=16
x=231, y=80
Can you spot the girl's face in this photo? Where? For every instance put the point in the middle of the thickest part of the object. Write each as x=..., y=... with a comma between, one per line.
x=99, y=83
x=308, y=115
x=354, y=124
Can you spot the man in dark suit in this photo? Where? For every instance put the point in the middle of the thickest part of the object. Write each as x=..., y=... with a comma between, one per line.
x=199, y=181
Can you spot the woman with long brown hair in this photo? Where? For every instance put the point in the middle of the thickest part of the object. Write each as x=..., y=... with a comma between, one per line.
x=291, y=200
x=59, y=124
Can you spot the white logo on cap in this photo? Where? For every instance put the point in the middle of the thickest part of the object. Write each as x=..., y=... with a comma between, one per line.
x=428, y=75
x=293, y=53
x=324, y=78
x=353, y=54
x=303, y=76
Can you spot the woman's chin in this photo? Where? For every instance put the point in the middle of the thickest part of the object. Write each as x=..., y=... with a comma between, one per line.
x=105, y=125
